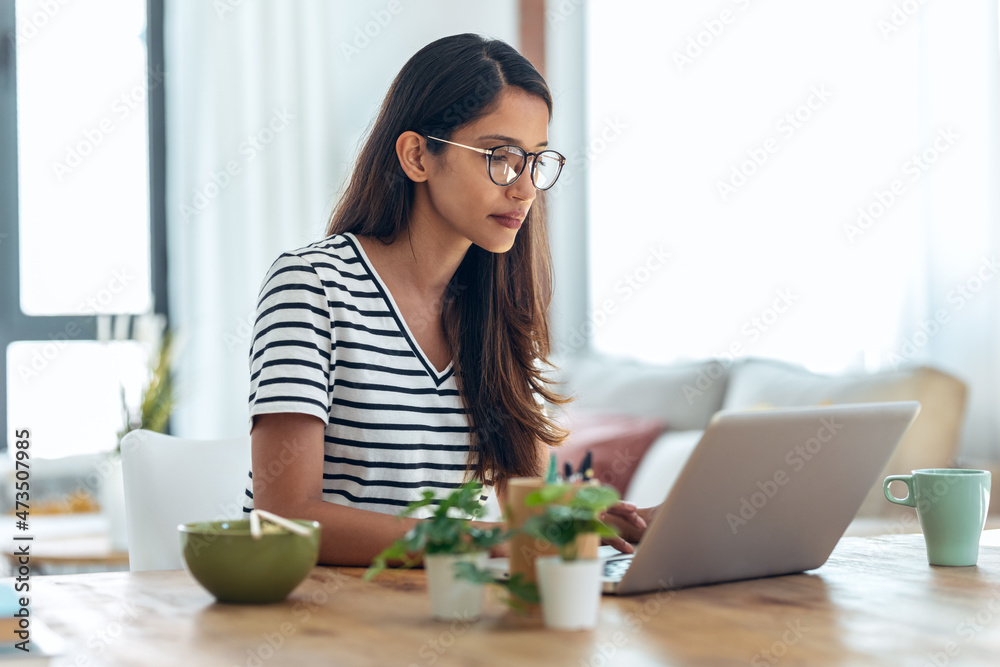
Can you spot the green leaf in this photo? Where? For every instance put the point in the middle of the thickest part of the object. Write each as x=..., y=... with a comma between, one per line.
x=604, y=530
x=159, y=398
x=395, y=552
x=426, y=498
x=467, y=571
x=446, y=531
x=518, y=590
x=525, y=590
x=569, y=512
x=595, y=498
x=547, y=494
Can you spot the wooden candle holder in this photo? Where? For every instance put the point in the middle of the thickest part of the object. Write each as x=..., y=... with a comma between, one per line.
x=524, y=549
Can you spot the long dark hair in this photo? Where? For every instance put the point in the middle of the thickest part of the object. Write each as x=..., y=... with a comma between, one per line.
x=495, y=315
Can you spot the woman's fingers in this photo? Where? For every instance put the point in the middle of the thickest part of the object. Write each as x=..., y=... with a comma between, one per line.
x=628, y=512
x=622, y=507
x=620, y=544
x=626, y=528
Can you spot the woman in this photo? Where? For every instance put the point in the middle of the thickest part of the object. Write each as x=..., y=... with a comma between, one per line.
x=404, y=351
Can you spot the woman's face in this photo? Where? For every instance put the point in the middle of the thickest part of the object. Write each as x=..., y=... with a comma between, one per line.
x=463, y=198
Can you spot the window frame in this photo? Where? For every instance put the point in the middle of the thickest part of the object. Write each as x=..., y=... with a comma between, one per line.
x=15, y=325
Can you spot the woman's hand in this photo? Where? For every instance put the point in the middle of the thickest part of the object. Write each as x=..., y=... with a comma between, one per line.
x=630, y=522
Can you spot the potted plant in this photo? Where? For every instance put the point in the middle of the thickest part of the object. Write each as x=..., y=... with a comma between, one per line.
x=570, y=584
x=157, y=399
x=443, y=540
x=519, y=591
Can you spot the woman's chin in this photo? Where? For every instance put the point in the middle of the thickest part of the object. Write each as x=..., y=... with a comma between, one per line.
x=498, y=243
x=497, y=248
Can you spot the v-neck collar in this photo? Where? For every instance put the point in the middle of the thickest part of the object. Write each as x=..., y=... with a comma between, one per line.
x=438, y=376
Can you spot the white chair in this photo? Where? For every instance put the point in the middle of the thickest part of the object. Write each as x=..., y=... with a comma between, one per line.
x=170, y=481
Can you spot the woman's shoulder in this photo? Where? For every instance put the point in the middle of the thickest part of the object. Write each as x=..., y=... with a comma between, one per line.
x=328, y=269
x=334, y=245
x=332, y=253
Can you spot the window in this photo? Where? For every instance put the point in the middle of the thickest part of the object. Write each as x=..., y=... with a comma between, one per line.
x=790, y=180
x=81, y=116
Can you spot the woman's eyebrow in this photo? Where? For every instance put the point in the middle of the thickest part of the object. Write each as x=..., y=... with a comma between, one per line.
x=508, y=140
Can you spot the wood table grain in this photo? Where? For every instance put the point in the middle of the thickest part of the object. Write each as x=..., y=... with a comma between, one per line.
x=875, y=602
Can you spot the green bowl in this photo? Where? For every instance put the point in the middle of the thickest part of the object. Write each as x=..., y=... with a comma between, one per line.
x=234, y=567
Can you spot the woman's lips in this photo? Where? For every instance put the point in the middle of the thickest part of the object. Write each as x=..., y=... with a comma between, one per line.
x=509, y=223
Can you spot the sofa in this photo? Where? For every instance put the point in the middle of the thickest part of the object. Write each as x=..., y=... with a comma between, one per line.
x=660, y=411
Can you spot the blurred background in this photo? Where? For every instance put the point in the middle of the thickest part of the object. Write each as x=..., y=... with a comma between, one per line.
x=809, y=182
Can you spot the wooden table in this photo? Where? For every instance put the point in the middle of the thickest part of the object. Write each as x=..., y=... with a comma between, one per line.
x=875, y=602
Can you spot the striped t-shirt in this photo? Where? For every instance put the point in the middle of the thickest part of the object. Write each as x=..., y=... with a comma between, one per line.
x=329, y=341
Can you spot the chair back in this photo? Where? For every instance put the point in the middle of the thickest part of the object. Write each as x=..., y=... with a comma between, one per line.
x=170, y=481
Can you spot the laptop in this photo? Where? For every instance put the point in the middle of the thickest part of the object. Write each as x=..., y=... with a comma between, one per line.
x=764, y=493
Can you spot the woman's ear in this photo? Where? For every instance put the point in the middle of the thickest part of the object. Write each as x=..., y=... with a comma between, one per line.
x=412, y=152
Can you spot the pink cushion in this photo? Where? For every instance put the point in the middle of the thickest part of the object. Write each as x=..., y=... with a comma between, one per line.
x=617, y=444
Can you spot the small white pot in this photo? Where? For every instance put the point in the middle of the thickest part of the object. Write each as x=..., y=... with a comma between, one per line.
x=453, y=599
x=570, y=592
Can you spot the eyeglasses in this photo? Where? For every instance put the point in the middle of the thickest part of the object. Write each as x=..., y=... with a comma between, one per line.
x=505, y=164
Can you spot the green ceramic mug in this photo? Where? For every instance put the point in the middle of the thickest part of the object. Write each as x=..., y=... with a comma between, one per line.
x=951, y=505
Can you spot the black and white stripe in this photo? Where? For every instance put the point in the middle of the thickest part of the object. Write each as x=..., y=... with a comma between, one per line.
x=329, y=341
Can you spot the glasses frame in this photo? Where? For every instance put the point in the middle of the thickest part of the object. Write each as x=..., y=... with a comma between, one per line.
x=488, y=152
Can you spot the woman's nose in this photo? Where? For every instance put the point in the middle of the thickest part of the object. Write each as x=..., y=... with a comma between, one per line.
x=522, y=189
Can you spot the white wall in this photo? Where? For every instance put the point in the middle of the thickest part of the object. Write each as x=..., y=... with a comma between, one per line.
x=566, y=74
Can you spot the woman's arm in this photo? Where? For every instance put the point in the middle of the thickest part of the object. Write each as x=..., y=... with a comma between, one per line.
x=287, y=455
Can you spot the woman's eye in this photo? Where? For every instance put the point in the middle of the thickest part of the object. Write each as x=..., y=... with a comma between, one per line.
x=499, y=158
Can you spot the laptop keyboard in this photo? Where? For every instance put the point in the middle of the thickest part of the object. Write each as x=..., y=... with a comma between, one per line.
x=614, y=568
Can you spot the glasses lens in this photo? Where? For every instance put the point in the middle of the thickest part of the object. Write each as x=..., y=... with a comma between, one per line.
x=506, y=164
x=546, y=170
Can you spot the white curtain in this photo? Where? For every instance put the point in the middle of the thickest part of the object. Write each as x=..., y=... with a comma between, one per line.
x=960, y=214
x=267, y=101
x=809, y=182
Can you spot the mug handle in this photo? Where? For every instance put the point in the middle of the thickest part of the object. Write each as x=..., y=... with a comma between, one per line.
x=909, y=500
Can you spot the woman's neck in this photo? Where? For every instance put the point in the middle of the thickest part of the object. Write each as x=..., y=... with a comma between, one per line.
x=421, y=260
